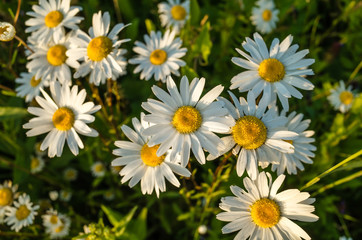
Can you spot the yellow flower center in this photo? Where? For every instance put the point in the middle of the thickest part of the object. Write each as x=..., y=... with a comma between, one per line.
x=178, y=12
x=99, y=48
x=249, y=132
x=63, y=119
x=158, y=57
x=70, y=174
x=34, y=163
x=34, y=82
x=53, y=219
x=186, y=119
x=99, y=168
x=271, y=70
x=56, y=55
x=149, y=156
x=59, y=229
x=346, y=97
x=3, y=29
x=267, y=15
x=6, y=196
x=265, y=213
x=22, y=212
x=53, y=19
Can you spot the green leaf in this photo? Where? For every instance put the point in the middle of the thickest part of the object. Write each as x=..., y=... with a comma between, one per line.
x=139, y=226
x=23, y=165
x=203, y=43
x=12, y=113
x=8, y=144
x=189, y=72
x=194, y=13
x=114, y=217
x=127, y=9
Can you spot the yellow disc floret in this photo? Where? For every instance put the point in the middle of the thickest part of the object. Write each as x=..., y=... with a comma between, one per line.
x=265, y=213
x=34, y=82
x=346, y=97
x=99, y=48
x=187, y=119
x=158, y=57
x=249, y=132
x=22, y=212
x=271, y=70
x=56, y=55
x=178, y=12
x=34, y=163
x=99, y=168
x=53, y=19
x=59, y=229
x=149, y=156
x=53, y=219
x=289, y=141
x=267, y=15
x=6, y=196
x=63, y=119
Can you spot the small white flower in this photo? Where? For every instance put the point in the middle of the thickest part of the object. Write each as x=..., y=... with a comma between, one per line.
x=65, y=195
x=109, y=195
x=63, y=116
x=100, y=51
x=262, y=213
x=70, y=174
x=50, y=18
x=341, y=98
x=37, y=164
x=182, y=121
x=53, y=195
x=98, y=169
x=50, y=62
x=7, y=195
x=142, y=163
x=30, y=86
x=51, y=219
x=274, y=72
x=56, y=224
x=302, y=147
x=265, y=16
x=22, y=214
x=174, y=14
x=159, y=57
x=257, y=135
x=7, y=32
x=202, y=229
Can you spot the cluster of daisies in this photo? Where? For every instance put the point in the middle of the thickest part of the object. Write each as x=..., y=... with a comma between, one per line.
x=17, y=211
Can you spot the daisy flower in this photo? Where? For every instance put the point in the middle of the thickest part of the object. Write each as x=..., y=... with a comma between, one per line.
x=65, y=195
x=98, y=169
x=182, y=121
x=63, y=117
x=256, y=135
x=51, y=219
x=262, y=213
x=7, y=195
x=265, y=16
x=7, y=32
x=142, y=163
x=302, y=147
x=70, y=174
x=56, y=224
x=159, y=57
x=53, y=195
x=109, y=195
x=100, y=51
x=341, y=98
x=50, y=62
x=37, y=164
x=50, y=18
x=22, y=214
x=174, y=14
x=274, y=73
x=29, y=86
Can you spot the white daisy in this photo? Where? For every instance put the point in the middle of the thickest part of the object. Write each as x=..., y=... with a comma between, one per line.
x=274, y=73
x=256, y=135
x=159, y=57
x=22, y=214
x=70, y=174
x=56, y=224
x=37, y=164
x=7, y=31
x=183, y=121
x=51, y=219
x=109, y=195
x=302, y=147
x=142, y=163
x=341, y=98
x=30, y=86
x=100, y=51
x=262, y=213
x=98, y=169
x=53, y=195
x=174, y=14
x=7, y=195
x=63, y=117
x=50, y=18
x=265, y=16
x=65, y=195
